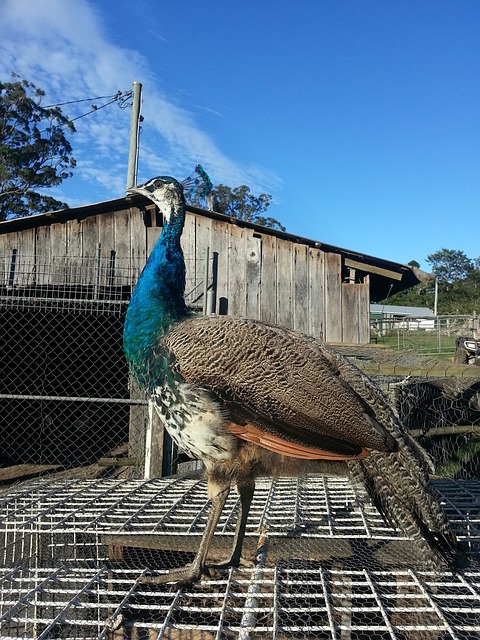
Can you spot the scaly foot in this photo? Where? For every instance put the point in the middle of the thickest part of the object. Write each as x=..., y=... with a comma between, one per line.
x=187, y=575
x=181, y=577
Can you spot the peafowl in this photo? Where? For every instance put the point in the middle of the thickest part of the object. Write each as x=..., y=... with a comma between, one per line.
x=252, y=399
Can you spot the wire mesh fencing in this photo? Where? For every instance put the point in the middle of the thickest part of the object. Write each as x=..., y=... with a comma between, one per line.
x=444, y=415
x=325, y=564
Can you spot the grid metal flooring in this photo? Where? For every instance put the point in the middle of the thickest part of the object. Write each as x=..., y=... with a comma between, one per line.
x=72, y=551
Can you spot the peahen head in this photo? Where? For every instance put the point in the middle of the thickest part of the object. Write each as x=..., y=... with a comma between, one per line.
x=167, y=194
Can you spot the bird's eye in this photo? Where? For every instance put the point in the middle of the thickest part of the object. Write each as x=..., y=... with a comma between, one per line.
x=157, y=184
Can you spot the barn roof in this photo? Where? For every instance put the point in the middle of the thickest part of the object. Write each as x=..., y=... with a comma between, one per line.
x=386, y=277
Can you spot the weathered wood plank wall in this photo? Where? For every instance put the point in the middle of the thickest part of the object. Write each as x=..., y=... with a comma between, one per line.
x=254, y=274
x=262, y=276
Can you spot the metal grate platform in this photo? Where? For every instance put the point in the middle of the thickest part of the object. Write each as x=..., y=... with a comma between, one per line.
x=251, y=603
x=72, y=551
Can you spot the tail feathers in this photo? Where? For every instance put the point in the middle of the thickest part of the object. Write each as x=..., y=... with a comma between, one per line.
x=399, y=486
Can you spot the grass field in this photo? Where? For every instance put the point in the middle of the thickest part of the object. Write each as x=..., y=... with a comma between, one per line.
x=423, y=342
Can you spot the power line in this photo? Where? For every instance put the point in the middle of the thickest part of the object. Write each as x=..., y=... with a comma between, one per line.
x=115, y=97
x=95, y=108
x=120, y=97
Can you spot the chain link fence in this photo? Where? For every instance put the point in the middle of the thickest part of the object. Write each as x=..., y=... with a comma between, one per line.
x=66, y=396
x=443, y=414
x=64, y=389
x=435, y=336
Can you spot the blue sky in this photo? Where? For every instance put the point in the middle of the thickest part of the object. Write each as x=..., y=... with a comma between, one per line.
x=360, y=117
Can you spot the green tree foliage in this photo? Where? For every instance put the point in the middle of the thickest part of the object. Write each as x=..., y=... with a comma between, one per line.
x=450, y=266
x=458, y=279
x=34, y=152
x=240, y=203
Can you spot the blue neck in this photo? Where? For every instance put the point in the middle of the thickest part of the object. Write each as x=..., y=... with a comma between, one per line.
x=157, y=302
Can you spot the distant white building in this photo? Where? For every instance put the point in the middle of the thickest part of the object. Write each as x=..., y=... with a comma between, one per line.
x=385, y=316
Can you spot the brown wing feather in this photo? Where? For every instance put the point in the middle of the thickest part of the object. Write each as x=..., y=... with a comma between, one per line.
x=278, y=380
x=250, y=433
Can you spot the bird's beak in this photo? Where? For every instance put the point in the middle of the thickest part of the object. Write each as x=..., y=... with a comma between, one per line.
x=134, y=191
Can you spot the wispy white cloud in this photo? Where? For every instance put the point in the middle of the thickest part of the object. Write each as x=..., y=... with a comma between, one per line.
x=112, y=179
x=66, y=51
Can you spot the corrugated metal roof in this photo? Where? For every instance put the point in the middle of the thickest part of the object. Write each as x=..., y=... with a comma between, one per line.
x=397, y=310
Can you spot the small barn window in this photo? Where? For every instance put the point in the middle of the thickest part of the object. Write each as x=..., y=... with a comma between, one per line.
x=152, y=217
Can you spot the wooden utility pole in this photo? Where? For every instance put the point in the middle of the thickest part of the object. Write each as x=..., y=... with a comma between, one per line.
x=134, y=135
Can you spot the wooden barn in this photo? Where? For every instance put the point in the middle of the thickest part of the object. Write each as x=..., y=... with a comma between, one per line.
x=66, y=279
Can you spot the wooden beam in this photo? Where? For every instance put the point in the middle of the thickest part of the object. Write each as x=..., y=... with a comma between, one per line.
x=445, y=431
x=279, y=547
x=436, y=370
x=22, y=471
x=370, y=268
x=117, y=462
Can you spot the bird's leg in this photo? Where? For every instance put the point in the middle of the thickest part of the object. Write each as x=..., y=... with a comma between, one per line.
x=218, y=490
x=246, y=489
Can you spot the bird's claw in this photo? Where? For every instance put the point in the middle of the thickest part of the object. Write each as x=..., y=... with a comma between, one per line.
x=181, y=577
x=186, y=576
